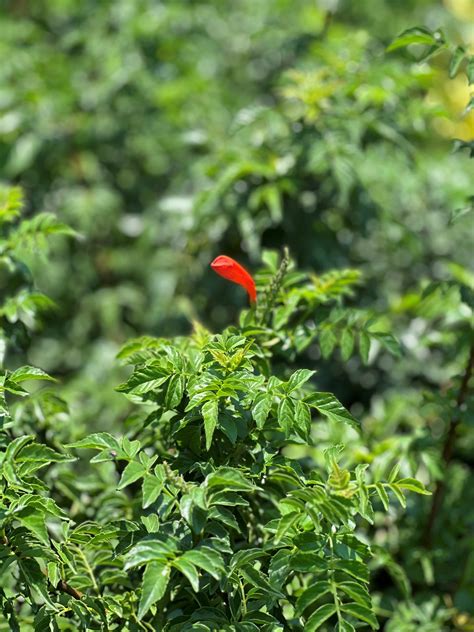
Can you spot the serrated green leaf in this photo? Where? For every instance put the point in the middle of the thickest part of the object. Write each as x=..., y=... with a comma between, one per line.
x=189, y=571
x=394, y=473
x=399, y=494
x=261, y=407
x=327, y=341
x=362, y=613
x=149, y=550
x=257, y=579
x=35, y=521
x=29, y=373
x=175, y=391
x=303, y=418
x=155, y=581
x=206, y=558
x=286, y=523
x=357, y=592
x=329, y=406
x=300, y=377
x=347, y=344
x=144, y=379
x=319, y=616
x=308, y=562
x=210, y=412
x=345, y=626
x=132, y=472
x=229, y=478
x=412, y=485
x=310, y=595
x=355, y=569
x=96, y=441
x=382, y=495
x=53, y=573
x=388, y=341
x=38, y=453
x=286, y=415
x=151, y=487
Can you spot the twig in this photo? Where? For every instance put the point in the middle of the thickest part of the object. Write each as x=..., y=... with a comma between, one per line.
x=448, y=449
x=67, y=588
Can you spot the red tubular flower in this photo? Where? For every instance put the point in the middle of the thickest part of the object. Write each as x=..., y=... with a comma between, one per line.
x=233, y=271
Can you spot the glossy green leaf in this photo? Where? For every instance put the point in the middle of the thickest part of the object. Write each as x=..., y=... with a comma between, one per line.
x=210, y=415
x=155, y=581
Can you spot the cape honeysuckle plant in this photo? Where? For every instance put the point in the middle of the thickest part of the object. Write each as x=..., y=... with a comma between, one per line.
x=201, y=521
x=224, y=531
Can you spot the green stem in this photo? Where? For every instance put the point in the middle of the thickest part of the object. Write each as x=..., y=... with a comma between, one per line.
x=334, y=585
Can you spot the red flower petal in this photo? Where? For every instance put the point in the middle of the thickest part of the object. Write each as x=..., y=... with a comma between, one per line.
x=232, y=271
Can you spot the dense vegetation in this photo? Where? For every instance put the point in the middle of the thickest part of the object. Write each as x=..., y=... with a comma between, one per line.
x=194, y=463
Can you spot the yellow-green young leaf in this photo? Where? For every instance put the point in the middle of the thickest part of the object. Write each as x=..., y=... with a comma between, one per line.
x=310, y=595
x=394, y=473
x=155, y=581
x=365, y=506
x=413, y=486
x=415, y=35
x=462, y=274
x=362, y=613
x=399, y=494
x=383, y=495
x=347, y=344
x=319, y=616
x=210, y=412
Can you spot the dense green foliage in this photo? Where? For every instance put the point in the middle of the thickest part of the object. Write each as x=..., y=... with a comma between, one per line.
x=309, y=467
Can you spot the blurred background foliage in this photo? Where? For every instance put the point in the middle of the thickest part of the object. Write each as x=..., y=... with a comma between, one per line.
x=166, y=133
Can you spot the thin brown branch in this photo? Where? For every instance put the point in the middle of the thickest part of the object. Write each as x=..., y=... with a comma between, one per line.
x=448, y=449
x=67, y=588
